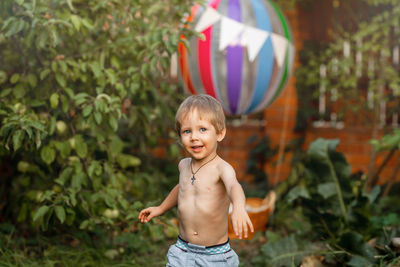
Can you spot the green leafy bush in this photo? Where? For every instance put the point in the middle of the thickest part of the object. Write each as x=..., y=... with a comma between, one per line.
x=84, y=94
x=332, y=215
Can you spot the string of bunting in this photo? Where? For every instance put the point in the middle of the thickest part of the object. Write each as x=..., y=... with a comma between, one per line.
x=234, y=32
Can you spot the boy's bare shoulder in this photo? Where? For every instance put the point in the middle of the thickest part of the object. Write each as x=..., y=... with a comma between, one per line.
x=224, y=166
x=183, y=162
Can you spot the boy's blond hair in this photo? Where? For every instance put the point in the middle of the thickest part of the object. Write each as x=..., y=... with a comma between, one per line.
x=207, y=106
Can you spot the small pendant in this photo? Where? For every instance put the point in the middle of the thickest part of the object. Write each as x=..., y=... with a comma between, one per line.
x=193, y=179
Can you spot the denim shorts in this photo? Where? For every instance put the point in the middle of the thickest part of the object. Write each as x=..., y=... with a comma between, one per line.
x=185, y=254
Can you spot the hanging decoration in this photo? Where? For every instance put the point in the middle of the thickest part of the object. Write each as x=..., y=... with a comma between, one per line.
x=245, y=56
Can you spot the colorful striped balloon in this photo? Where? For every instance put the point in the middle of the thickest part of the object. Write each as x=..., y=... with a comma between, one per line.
x=241, y=85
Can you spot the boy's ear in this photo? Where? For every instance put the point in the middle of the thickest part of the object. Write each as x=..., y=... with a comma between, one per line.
x=221, y=135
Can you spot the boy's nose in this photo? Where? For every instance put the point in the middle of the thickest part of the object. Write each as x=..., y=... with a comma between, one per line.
x=194, y=135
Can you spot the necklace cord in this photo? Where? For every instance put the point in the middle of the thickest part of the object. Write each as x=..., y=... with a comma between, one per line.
x=191, y=165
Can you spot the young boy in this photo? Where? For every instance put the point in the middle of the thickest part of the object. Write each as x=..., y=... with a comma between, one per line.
x=207, y=185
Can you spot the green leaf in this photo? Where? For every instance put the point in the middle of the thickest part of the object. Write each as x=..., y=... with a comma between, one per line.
x=39, y=213
x=63, y=66
x=87, y=23
x=95, y=169
x=60, y=80
x=65, y=103
x=64, y=176
x=87, y=110
x=60, y=213
x=18, y=137
x=48, y=154
x=319, y=149
x=296, y=192
x=84, y=224
x=5, y=92
x=353, y=242
x=32, y=79
x=115, y=62
x=78, y=180
x=137, y=205
x=116, y=146
x=111, y=76
x=373, y=195
x=71, y=216
x=76, y=21
x=19, y=91
x=38, y=140
x=327, y=190
x=98, y=117
x=52, y=125
x=319, y=152
x=96, y=68
x=284, y=252
x=72, y=196
x=126, y=161
x=391, y=219
x=69, y=2
x=81, y=146
x=44, y=74
x=64, y=148
x=113, y=123
x=358, y=261
x=15, y=27
x=81, y=96
x=80, y=101
x=3, y=77
x=54, y=100
x=14, y=78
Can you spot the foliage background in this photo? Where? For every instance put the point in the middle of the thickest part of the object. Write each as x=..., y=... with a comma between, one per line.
x=84, y=96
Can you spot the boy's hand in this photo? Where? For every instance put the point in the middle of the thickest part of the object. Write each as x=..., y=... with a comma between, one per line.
x=241, y=222
x=147, y=214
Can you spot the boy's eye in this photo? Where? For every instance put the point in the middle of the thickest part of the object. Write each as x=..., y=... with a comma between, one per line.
x=203, y=129
x=186, y=131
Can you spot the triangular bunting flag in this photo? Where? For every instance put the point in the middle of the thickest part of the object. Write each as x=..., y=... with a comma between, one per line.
x=230, y=29
x=208, y=18
x=254, y=39
x=280, y=43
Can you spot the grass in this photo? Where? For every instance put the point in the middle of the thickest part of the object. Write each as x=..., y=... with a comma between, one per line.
x=60, y=256
x=65, y=252
x=79, y=251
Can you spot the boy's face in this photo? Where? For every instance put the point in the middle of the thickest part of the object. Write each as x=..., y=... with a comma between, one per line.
x=199, y=136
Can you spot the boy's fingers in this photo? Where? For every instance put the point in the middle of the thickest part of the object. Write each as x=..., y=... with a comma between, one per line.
x=240, y=230
x=245, y=229
x=143, y=214
x=235, y=228
x=250, y=225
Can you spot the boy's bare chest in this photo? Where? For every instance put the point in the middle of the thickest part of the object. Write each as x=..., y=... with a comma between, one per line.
x=206, y=194
x=199, y=182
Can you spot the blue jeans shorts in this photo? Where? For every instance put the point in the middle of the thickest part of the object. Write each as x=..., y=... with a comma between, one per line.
x=185, y=254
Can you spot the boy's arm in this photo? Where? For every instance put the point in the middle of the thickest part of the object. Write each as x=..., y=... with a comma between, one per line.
x=169, y=202
x=240, y=219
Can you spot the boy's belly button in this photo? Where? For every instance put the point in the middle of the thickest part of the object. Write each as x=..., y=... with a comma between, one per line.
x=195, y=233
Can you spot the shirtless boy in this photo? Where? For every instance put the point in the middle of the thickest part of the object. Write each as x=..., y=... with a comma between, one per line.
x=207, y=185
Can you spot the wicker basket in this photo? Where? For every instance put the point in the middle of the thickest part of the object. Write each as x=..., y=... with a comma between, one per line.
x=259, y=210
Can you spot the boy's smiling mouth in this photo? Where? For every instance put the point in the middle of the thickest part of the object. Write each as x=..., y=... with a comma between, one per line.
x=197, y=148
